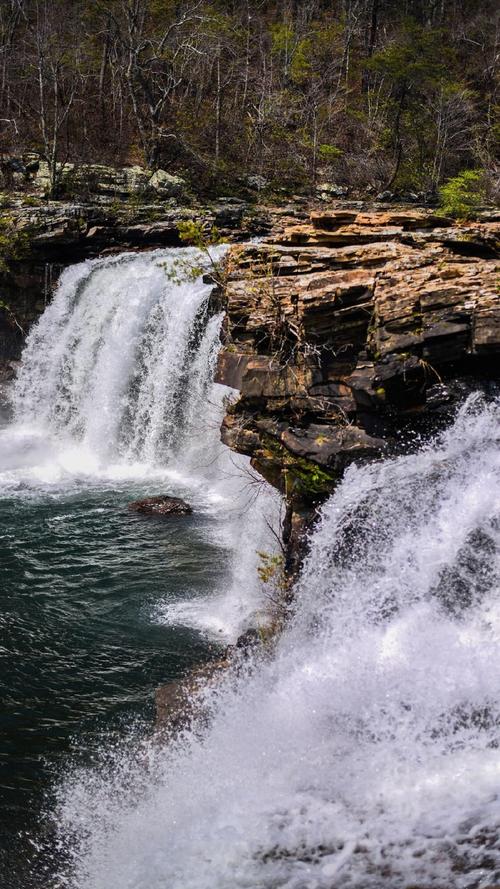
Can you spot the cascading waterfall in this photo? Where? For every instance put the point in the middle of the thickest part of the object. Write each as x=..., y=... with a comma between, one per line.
x=116, y=387
x=364, y=751
x=122, y=359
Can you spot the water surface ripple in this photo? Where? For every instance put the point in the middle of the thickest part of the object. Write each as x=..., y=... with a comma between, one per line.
x=80, y=647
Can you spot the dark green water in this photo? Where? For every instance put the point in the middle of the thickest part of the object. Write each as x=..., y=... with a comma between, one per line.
x=81, y=648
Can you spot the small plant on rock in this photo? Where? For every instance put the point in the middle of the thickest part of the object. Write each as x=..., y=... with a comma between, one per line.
x=272, y=575
x=194, y=234
x=14, y=243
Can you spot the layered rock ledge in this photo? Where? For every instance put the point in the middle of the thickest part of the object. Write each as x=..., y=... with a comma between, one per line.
x=348, y=329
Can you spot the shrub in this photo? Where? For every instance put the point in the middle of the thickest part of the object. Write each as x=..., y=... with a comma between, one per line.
x=462, y=196
x=329, y=153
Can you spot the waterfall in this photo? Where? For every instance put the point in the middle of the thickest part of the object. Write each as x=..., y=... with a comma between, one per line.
x=363, y=751
x=122, y=359
x=116, y=389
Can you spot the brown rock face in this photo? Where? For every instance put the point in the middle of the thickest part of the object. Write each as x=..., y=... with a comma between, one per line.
x=160, y=506
x=344, y=328
x=176, y=702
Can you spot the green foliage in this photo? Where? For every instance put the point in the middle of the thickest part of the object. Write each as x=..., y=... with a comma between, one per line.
x=329, y=153
x=194, y=233
x=282, y=35
x=14, y=243
x=302, y=477
x=309, y=480
x=271, y=568
x=31, y=200
x=462, y=196
x=418, y=56
x=272, y=575
x=300, y=66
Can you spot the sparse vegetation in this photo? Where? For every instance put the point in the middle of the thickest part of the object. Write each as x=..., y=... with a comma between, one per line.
x=194, y=234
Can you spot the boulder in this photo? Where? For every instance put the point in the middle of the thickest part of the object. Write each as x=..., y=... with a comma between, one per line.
x=110, y=182
x=162, y=505
x=165, y=185
x=258, y=183
x=93, y=179
x=328, y=190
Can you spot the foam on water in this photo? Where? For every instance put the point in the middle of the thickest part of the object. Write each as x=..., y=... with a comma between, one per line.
x=116, y=390
x=362, y=752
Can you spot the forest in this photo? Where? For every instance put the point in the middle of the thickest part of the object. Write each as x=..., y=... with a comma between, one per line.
x=369, y=94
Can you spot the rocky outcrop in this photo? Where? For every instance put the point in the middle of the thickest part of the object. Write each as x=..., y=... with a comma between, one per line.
x=90, y=180
x=348, y=328
x=160, y=506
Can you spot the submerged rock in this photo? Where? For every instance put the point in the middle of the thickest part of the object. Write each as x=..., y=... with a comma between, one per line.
x=162, y=505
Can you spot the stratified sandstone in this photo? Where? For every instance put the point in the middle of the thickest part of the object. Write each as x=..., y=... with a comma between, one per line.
x=344, y=328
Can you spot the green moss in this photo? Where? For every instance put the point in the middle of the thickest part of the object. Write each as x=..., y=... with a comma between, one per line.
x=302, y=477
x=309, y=479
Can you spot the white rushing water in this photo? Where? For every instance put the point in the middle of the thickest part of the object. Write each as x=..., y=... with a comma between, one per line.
x=116, y=390
x=364, y=751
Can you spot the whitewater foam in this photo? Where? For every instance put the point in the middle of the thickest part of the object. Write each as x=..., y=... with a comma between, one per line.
x=364, y=751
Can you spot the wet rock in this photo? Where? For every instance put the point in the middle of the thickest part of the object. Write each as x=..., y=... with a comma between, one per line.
x=248, y=640
x=160, y=506
x=231, y=368
x=178, y=702
x=324, y=443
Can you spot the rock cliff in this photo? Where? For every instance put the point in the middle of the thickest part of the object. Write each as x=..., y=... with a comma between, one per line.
x=347, y=330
